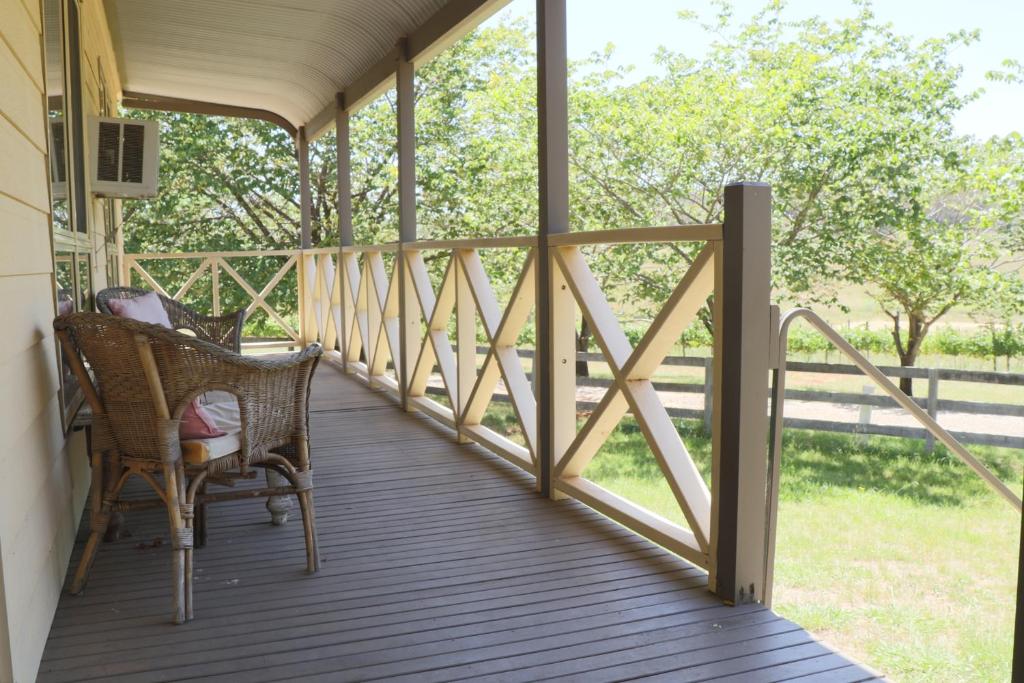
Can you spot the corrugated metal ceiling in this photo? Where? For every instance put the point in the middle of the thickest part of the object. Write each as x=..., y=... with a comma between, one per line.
x=286, y=56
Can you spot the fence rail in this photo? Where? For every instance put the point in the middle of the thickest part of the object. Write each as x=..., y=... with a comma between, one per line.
x=932, y=404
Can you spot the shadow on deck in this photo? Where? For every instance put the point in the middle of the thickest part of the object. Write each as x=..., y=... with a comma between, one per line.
x=440, y=563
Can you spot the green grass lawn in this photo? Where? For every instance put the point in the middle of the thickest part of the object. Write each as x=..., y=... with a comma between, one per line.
x=901, y=559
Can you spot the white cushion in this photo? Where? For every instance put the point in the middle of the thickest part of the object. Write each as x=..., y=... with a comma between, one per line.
x=223, y=408
x=147, y=308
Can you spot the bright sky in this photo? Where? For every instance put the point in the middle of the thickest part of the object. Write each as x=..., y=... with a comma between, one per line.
x=638, y=27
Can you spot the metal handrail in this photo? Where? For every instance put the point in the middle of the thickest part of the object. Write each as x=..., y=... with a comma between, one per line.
x=776, y=425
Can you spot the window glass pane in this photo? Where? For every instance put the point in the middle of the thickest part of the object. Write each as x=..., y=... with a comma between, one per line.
x=84, y=282
x=77, y=117
x=54, y=39
x=64, y=271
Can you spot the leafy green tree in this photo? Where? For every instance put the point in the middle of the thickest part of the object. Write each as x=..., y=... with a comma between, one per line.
x=949, y=249
x=851, y=124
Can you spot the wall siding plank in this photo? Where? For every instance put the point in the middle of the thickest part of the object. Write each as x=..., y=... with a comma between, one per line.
x=23, y=173
x=30, y=229
x=23, y=36
x=28, y=317
x=20, y=100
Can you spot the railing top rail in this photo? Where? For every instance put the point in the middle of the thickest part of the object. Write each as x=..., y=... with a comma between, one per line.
x=388, y=247
x=212, y=254
x=667, y=233
x=478, y=243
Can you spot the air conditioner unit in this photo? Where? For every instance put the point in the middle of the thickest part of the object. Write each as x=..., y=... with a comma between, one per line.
x=125, y=157
x=58, y=158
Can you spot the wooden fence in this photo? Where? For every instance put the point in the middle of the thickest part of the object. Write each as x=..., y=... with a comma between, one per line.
x=932, y=403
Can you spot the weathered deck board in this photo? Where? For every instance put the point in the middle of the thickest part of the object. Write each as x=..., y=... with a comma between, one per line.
x=440, y=563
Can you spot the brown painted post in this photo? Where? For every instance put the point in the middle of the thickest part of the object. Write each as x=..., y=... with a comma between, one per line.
x=709, y=381
x=344, y=182
x=554, y=361
x=409, y=326
x=739, y=416
x=305, y=234
x=305, y=195
x=345, y=234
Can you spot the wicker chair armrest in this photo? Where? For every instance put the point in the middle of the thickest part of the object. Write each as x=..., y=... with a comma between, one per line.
x=272, y=393
x=274, y=403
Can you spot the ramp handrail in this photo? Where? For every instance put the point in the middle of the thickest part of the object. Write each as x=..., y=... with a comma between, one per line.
x=868, y=368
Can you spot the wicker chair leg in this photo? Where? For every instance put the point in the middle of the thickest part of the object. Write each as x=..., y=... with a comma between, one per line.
x=85, y=564
x=200, y=520
x=277, y=506
x=193, y=516
x=188, y=578
x=98, y=523
x=181, y=539
x=309, y=527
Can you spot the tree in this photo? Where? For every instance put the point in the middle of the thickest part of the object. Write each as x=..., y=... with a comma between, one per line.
x=852, y=126
x=850, y=122
x=232, y=184
x=951, y=250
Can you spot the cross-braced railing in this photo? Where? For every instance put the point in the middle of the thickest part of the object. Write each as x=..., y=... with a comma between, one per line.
x=380, y=316
x=314, y=314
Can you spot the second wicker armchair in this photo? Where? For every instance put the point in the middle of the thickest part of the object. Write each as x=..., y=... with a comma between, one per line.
x=222, y=330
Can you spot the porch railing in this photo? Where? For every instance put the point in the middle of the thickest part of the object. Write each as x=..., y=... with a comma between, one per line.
x=314, y=304
x=379, y=315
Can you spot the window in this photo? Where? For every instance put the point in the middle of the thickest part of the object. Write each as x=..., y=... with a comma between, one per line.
x=72, y=267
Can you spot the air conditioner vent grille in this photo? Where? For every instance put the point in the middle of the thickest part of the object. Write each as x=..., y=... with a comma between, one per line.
x=108, y=150
x=134, y=153
x=125, y=159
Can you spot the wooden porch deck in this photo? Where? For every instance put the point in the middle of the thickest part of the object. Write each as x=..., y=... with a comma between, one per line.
x=440, y=563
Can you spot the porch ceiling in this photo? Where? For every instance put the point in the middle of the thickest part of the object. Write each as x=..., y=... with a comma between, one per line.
x=288, y=57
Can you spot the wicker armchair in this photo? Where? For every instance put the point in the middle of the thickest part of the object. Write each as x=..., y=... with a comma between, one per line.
x=222, y=330
x=145, y=377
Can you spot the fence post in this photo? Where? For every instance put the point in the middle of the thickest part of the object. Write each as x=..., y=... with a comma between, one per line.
x=864, y=418
x=709, y=373
x=742, y=320
x=933, y=405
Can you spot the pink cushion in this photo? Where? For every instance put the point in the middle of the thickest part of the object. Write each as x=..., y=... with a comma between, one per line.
x=146, y=309
x=196, y=423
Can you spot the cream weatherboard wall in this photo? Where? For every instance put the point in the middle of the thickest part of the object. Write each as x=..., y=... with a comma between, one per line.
x=45, y=480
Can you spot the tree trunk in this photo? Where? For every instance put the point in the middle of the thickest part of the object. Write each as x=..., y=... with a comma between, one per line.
x=583, y=346
x=908, y=354
x=906, y=383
